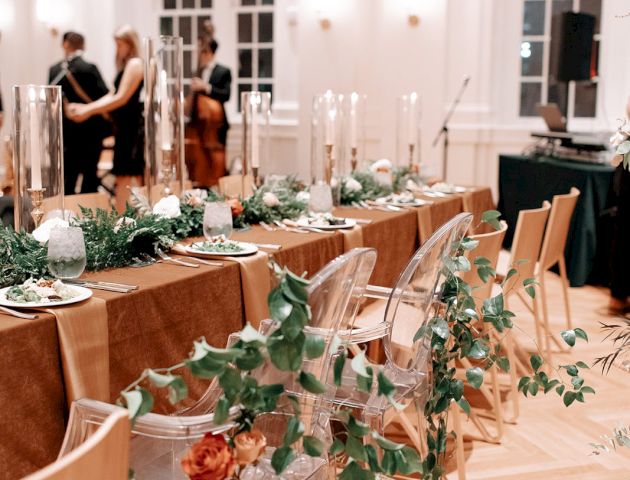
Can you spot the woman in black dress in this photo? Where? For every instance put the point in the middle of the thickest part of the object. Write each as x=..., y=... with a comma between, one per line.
x=126, y=110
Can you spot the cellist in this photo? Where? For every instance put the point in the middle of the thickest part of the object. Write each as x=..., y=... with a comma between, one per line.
x=214, y=82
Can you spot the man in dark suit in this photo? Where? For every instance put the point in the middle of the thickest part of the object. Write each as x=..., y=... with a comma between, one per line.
x=213, y=80
x=80, y=82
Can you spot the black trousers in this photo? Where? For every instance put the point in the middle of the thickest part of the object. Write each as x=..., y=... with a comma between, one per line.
x=620, y=258
x=81, y=159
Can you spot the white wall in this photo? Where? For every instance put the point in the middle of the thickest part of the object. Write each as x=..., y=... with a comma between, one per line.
x=370, y=48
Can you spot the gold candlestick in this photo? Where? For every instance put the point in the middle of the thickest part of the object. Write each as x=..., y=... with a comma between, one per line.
x=411, y=149
x=353, y=160
x=329, y=163
x=37, y=198
x=167, y=171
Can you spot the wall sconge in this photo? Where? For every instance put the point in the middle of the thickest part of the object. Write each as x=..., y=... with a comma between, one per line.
x=324, y=21
x=53, y=14
x=413, y=17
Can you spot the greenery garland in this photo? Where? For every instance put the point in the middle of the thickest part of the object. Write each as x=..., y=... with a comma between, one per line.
x=370, y=189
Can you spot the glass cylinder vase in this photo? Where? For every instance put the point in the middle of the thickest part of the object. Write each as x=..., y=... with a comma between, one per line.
x=408, y=131
x=256, y=115
x=325, y=137
x=38, y=155
x=165, y=171
x=353, y=133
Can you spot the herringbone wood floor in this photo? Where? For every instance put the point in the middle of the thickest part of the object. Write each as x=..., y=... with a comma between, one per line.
x=551, y=441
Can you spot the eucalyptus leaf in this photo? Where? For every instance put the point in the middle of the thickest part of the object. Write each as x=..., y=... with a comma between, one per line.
x=568, y=336
x=358, y=364
x=139, y=402
x=315, y=345
x=295, y=430
x=357, y=428
x=340, y=361
x=474, y=376
x=310, y=383
x=221, y=411
x=282, y=458
x=355, y=449
x=313, y=447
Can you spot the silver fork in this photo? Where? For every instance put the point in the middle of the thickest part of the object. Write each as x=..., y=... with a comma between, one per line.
x=267, y=227
x=293, y=224
x=282, y=226
x=166, y=258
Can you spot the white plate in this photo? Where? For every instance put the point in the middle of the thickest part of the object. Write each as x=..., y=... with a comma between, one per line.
x=84, y=294
x=303, y=222
x=248, y=249
x=453, y=189
x=415, y=203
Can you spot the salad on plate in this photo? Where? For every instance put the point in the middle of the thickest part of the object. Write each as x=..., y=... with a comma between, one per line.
x=41, y=291
x=220, y=245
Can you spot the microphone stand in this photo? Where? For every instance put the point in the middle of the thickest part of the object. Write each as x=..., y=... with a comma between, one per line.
x=444, y=130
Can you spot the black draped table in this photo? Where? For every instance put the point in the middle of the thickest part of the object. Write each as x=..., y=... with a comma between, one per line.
x=525, y=182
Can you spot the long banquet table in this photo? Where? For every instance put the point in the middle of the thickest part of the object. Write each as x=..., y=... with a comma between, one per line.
x=155, y=325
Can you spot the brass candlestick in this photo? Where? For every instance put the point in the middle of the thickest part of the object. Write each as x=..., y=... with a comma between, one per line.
x=329, y=163
x=167, y=171
x=411, y=149
x=353, y=160
x=37, y=198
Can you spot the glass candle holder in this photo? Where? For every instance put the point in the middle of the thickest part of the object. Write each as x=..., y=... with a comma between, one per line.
x=256, y=114
x=164, y=116
x=326, y=138
x=353, y=132
x=38, y=154
x=408, y=131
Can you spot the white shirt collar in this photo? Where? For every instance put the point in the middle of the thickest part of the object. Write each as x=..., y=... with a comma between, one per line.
x=73, y=55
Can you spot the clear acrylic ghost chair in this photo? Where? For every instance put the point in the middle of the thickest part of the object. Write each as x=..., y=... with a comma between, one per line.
x=160, y=441
x=354, y=268
x=409, y=306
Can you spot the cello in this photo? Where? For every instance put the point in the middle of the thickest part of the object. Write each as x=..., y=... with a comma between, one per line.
x=204, y=154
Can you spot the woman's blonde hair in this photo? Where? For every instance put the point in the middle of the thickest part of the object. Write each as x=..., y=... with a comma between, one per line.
x=127, y=34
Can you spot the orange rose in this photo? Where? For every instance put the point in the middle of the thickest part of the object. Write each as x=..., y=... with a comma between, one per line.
x=249, y=446
x=209, y=459
x=236, y=206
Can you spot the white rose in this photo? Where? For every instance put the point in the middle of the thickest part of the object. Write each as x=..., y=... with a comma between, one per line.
x=352, y=185
x=42, y=233
x=382, y=165
x=617, y=139
x=123, y=221
x=270, y=199
x=168, y=207
x=303, y=196
x=411, y=185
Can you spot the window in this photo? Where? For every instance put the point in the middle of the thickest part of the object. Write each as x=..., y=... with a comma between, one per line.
x=254, y=44
x=539, y=59
x=185, y=18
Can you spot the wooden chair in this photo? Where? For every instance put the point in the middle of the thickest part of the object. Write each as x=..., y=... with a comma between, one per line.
x=232, y=186
x=552, y=253
x=489, y=247
x=103, y=456
x=87, y=200
x=528, y=238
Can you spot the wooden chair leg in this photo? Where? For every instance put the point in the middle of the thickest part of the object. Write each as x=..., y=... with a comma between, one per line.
x=514, y=399
x=565, y=291
x=549, y=336
x=459, y=441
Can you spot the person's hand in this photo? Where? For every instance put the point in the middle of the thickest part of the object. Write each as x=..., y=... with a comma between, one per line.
x=77, y=112
x=198, y=85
